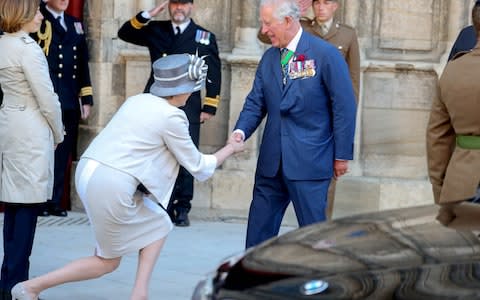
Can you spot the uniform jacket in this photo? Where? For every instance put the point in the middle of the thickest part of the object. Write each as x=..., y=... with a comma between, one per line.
x=310, y=122
x=345, y=39
x=455, y=172
x=67, y=56
x=148, y=138
x=159, y=38
x=466, y=40
x=30, y=121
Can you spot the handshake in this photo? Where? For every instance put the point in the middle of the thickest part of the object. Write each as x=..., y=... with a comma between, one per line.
x=236, y=142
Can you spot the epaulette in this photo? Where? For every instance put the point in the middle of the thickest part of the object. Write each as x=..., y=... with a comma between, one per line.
x=27, y=40
x=345, y=25
x=460, y=54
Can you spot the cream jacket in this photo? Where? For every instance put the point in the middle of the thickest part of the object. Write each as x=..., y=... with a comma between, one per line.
x=30, y=121
x=148, y=138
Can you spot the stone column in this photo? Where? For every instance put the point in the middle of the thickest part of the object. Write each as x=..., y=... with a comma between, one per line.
x=145, y=4
x=247, y=42
x=236, y=176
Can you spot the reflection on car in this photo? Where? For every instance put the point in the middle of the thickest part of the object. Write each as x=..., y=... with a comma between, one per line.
x=396, y=254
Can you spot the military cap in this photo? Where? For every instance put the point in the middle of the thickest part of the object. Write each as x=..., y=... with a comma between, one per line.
x=181, y=1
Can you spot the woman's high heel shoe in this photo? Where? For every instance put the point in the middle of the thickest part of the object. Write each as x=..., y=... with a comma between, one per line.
x=20, y=293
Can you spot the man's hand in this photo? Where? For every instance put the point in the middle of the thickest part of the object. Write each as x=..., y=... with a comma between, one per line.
x=236, y=137
x=155, y=11
x=86, y=111
x=205, y=116
x=238, y=146
x=236, y=140
x=340, y=167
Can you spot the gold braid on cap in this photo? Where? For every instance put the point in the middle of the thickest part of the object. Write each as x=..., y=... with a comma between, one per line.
x=45, y=37
x=197, y=70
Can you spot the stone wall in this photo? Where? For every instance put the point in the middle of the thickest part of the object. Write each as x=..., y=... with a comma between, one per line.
x=404, y=46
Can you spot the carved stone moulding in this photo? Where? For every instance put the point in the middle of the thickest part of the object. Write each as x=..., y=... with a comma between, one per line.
x=408, y=30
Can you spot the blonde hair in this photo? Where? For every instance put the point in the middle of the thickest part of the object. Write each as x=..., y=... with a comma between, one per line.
x=14, y=14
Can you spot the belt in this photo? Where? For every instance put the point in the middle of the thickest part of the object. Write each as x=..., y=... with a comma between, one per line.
x=471, y=142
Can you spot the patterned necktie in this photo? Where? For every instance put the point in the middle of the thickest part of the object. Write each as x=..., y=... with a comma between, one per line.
x=285, y=56
x=324, y=29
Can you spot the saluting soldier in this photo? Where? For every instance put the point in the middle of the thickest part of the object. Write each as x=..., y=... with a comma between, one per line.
x=453, y=132
x=180, y=35
x=62, y=38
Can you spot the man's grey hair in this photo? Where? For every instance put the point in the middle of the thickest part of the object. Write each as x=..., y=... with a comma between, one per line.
x=283, y=8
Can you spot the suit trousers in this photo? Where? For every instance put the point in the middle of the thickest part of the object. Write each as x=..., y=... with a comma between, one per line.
x=63, y=152
x=19, y=224
x=271, y=197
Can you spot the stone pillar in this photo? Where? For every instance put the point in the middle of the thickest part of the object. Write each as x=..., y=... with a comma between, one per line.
x=247, y=42
x=145, y=4
x=238, y=171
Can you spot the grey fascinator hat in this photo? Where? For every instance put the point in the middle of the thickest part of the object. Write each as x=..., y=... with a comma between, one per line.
x=178, y=74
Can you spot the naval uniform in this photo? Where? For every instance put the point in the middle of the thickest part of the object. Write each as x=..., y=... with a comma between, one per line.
x=160, y=39
x=67, y=56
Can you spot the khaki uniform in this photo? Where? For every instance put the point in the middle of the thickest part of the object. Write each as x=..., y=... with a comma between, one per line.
x=455, y=171
x=345, y=39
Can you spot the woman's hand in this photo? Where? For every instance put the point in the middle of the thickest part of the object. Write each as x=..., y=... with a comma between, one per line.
x=236, y=140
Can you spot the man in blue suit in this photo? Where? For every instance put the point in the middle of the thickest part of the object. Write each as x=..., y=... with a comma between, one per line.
x=310, y=126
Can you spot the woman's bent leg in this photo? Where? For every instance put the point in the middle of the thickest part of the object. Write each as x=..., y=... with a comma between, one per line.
x=146, y=262
x=81, y=269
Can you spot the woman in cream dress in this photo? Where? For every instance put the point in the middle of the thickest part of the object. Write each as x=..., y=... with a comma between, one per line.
x=143, y=145
x=30, y=127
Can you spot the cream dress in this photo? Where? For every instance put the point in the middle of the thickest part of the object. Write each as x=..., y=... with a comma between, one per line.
x=145, y=142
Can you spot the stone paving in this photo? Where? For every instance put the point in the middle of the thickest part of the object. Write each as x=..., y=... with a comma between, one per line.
x=188, y=255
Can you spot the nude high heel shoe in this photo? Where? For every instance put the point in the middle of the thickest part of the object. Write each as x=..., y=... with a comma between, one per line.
x=20, y=293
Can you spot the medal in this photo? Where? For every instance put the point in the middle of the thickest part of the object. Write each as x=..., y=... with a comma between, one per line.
x=202, y=37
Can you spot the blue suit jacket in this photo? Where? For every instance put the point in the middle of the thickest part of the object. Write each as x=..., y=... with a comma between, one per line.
x=310, y=121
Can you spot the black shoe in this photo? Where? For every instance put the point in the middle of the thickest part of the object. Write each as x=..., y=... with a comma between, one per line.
x=171, y=214
x=58, y=212
x=182, y=219
x=43, y=213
